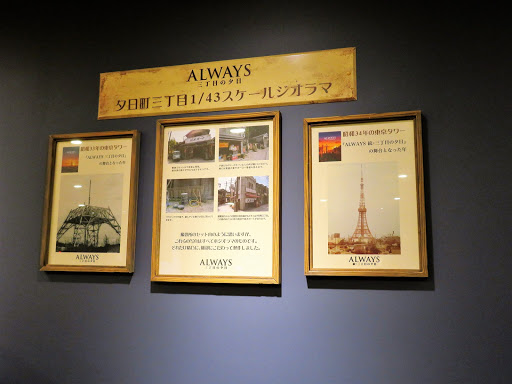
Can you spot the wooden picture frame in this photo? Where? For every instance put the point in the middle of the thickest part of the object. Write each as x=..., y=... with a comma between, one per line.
x=90, y=204
x=364, y=196
x=217, y=199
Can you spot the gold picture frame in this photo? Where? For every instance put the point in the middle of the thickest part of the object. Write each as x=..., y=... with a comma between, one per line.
x=90, y=204
x=364, y=196
x=217, y=199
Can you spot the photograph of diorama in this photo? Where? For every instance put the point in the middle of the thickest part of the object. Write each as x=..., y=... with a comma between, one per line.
x=190, y=195
x=191, y=146
x=90, y=210
x=243, y=193
x=364, y=212
x=244, y=143
x=225, y=209
x=366, y=218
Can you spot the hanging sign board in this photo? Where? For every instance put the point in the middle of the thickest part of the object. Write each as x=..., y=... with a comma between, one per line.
x=303, y=78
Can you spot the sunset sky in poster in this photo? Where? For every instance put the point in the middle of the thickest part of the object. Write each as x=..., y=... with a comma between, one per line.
x=329, y=140
x=70, y=159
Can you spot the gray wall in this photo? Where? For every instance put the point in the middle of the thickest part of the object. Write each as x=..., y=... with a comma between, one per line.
x=453, y=327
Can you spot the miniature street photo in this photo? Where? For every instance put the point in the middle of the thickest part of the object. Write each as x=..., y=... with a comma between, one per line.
x=244, y=143
x=190, y=195
x=191, y=146
x=243, y=193
x=364, y=209
x=89, y=217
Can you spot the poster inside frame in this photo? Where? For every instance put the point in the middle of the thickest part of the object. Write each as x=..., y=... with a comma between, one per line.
x=216, y=199
x=364, y=196
x=90, y=203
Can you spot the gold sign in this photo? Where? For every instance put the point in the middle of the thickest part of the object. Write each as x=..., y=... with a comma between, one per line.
x=303, y=78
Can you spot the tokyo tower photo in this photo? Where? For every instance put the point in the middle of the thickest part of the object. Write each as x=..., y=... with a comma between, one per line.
x=362, y=233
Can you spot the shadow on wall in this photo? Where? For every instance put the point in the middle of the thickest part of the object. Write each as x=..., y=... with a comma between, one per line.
x=372, y=283
x=269, y=290
x=85, y=277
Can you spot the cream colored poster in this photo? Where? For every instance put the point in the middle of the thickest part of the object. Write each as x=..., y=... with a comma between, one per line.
x=364, y=197
x=217, y=200
x=90, y=202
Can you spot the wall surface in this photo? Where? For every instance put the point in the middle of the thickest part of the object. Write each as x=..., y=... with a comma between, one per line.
x=453, y=327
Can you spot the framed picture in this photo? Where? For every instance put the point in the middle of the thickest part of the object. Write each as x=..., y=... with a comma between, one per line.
x=90, y=203
x=216, y=200
x=364, y=197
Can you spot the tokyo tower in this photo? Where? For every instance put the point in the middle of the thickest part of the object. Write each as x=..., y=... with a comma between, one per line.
x=362, y=233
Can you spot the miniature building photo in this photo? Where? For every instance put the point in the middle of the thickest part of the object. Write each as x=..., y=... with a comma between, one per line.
x=190, y=195
x=243, y=193
x=191, y=146
x=244, y=143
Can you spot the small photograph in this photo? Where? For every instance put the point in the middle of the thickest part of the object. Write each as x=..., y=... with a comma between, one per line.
x=329, y=146
x=243, y=193
x=364, y=209
x=70, y=157
x=90, y=209
x=191, y=146
x=244, y=143
x=190, y=195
